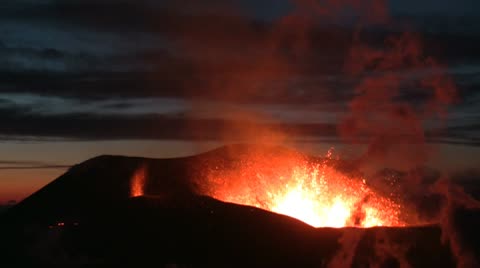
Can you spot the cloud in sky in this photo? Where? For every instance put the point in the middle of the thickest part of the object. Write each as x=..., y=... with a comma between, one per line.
x=167, y=119
x=86, y=69
x=19, y=165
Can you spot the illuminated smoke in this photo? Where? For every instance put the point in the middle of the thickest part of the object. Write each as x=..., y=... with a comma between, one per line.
x=394, y=128
x=349, y=242
x=397, y=89
x=452, y=233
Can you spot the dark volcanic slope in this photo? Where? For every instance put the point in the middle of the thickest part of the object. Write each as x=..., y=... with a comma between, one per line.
x=86, y=218
x=104, y=181
x=96, y=184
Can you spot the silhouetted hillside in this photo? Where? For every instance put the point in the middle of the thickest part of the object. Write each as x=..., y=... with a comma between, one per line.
x=86, y=218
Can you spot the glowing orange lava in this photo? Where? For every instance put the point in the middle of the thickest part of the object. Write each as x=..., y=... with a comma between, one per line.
x=137, y=182
x=313, y=192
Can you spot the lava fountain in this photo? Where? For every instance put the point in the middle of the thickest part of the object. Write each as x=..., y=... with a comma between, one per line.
x=312, y=191
x=137, y=182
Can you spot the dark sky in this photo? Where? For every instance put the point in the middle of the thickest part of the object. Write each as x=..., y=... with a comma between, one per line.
x=119, y=76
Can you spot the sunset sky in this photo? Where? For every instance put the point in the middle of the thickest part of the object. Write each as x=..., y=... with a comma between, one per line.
x=82, y=78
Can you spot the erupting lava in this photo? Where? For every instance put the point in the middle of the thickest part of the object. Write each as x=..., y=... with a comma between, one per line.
x=137, y=182
x=313, y=192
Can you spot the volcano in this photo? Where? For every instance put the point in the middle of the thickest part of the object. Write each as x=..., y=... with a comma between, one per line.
x=138, y=212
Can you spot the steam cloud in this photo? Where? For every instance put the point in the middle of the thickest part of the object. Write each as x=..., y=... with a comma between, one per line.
x=248, y=63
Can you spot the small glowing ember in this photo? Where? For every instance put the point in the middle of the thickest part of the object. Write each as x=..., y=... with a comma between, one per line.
x=314, y=193
x=137, y=182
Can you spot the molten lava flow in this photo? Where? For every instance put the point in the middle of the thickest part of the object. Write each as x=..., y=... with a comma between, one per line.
x=137, y=182
x=313, y=192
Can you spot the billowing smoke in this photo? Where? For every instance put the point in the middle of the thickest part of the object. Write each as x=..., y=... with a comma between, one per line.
x=392, y=103
x=392, y=86
x=456, y=221
x=399, y=95
x=431, y=199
